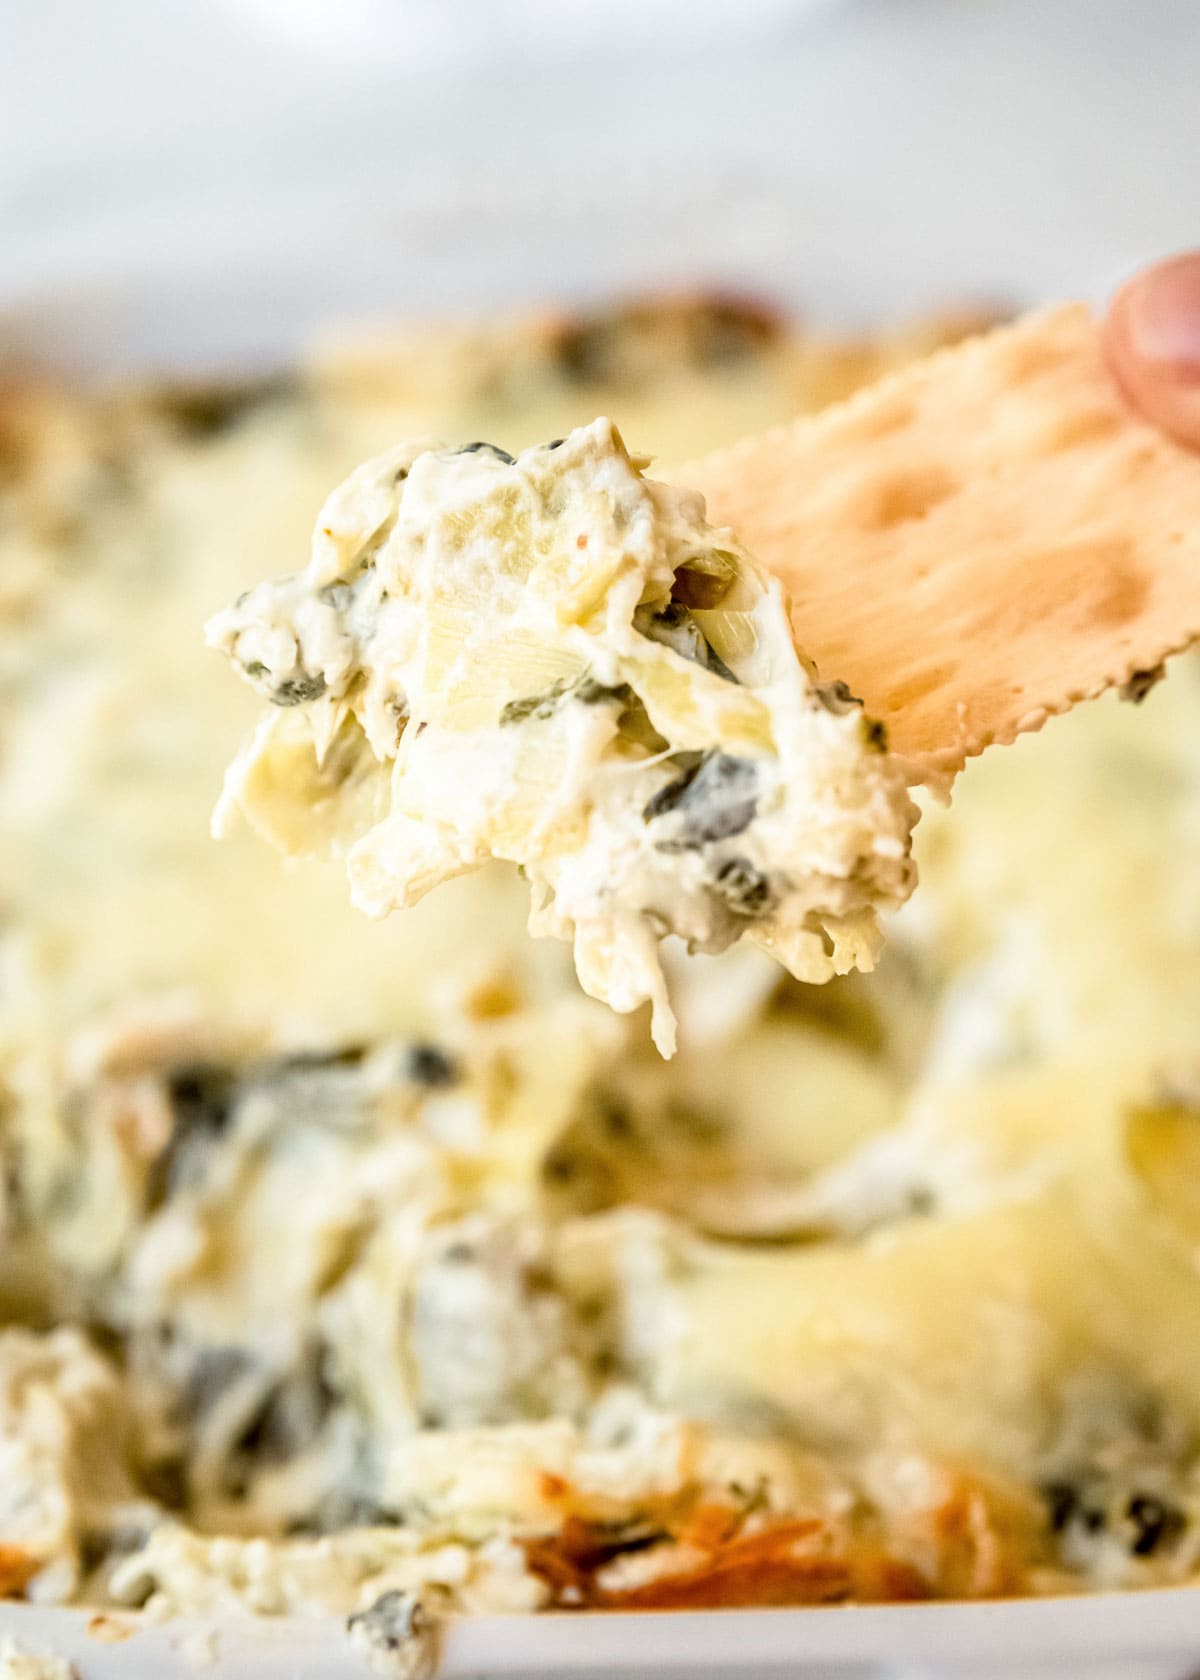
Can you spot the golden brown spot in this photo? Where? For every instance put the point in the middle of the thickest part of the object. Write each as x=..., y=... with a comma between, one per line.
x=1096, y=585
x=921, y=683
x=758, y=1571
x=491, y=997
x=709, y=1526
x=1087, y=426
x=15, y=451
x=1120, y=589
x=109, y=1629
x=1143, y=454
x=908, y=495
x=1100, y=582
x=17, y=1569
x=790, y=1561
x=982, y=1536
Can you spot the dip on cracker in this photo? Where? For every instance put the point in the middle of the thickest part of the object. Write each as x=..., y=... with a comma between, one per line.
x=553, y=659
x=556, y=660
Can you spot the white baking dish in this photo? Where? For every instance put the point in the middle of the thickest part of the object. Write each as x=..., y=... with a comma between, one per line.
x=821, y=201
x=1119, y=1636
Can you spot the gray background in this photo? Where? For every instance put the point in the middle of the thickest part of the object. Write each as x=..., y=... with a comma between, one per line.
x=210, y=181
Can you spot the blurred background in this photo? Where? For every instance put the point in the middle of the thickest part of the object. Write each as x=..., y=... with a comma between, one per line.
x=206, y=182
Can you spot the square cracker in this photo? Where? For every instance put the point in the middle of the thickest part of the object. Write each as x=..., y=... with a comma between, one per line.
x=978, y=541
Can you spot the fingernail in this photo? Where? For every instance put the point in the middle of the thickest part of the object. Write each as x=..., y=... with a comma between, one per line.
x=1162, y=317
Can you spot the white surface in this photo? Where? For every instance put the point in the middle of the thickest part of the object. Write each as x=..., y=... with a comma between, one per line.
x=1148, y=1636
x=429, y=35
x=209, y=183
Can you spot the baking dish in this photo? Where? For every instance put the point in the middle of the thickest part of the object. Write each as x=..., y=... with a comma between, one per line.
x=1151, y=1636
x=1148, y=1633
x=119, y=310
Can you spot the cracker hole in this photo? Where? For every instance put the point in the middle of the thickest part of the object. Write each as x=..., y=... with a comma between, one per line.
x=1090, y=426
x=1141, y=457
x=918, y=686
x=908, y=496
x=1115, y=589
x=1096, y=584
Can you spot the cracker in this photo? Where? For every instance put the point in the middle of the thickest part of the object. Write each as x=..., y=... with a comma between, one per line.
x=978, y=541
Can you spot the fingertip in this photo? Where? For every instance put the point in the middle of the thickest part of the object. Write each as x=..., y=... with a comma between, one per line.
x=1152, y=343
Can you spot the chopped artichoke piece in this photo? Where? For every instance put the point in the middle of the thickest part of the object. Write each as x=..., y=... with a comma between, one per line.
x=554, y=660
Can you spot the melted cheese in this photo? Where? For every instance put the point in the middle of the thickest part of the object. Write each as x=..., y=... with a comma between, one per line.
x=386, y=1221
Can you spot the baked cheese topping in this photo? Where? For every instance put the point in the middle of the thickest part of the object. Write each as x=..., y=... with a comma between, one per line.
x=552, y=659
x=66, y=1459
x=392, y=1276
x=19, y=1664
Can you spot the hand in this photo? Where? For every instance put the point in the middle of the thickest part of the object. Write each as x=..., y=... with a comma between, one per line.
x=1152, y=340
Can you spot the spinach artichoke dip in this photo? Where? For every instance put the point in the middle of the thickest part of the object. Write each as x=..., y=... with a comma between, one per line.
x=553, y=659
x=368, y=1269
